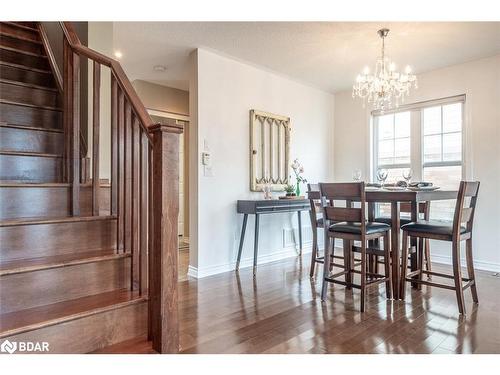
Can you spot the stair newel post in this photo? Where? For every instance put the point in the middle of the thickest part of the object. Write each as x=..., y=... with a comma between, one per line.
x=163, y=299
x=95, y=136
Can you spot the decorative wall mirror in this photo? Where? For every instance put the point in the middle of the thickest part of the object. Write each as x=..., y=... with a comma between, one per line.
x=269, y=150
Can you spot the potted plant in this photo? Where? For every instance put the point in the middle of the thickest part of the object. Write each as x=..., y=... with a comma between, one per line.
x=290, y=190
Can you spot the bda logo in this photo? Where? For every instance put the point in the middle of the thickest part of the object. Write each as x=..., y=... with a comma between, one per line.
x=8, y=347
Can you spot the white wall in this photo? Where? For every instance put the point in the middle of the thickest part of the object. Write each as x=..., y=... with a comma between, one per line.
x=480, y=81
x=221, y=97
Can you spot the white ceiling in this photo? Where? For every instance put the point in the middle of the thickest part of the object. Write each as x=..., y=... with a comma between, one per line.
x=327, y=55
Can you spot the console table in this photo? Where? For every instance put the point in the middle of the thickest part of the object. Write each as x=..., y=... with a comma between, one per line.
x=261, y=207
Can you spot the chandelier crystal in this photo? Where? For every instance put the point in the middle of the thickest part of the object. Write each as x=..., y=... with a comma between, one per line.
x=386, y=87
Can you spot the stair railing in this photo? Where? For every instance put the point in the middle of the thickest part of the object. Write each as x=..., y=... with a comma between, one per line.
x=144, y=183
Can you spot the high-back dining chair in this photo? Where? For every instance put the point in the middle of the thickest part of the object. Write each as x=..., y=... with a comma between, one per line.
x=455, y=232
x=424, y=211
x=349, y=223
x=317, y=223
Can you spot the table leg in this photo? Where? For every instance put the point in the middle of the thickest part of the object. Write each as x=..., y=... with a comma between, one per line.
x=395, y=227
x=242, y=238
x=299, y=216
x=256, y=243
x=414, y=244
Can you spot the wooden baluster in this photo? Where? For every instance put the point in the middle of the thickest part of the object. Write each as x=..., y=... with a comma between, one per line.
x=150, y=236
x=75, y=137
x=121, y=170
x=67, y=102
x=114, y=146
x=127, y=217
x=95, y=135
x=143, y=212
x=164, y=252
x=135, y=203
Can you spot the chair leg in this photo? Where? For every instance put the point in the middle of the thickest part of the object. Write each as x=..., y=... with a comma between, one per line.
x=375, y=258
x=363, y=275
x=347, y=263
x=314, y=253
x=387, y=267
x=404, y=265
x=457, y=276
x=326, y=269
x=470, y=269
x=420, y=260
x=427, y=247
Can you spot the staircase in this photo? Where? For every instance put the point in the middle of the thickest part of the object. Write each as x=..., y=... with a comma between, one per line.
x=75, y=254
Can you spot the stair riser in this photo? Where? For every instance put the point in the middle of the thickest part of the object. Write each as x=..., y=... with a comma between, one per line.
x=20, y=168
x=19, y=202
x=26, y=76
x=21, y=44
x=29, y=61
x=14, y=139
x=29, y=95
x=13, y=30
x=29, y=116
x=93, y=332
x=31, y=241
x=38, y=288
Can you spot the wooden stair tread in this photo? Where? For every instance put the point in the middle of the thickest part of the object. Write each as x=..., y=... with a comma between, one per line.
x=29, y=153
x=17, y=322
x=25, y=67
x=17, y=24
x=137, y=345
x=29, y=85
x=35, y=185
x=53, y=220
x=17, y=50
x=57, y=109
x=42, y=263
x=36, y=128
x=25, y=39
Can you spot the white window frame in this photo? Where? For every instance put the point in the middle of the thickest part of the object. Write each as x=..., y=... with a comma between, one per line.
x=417, y=137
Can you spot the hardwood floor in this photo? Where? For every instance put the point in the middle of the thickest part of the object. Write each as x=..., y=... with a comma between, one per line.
x=280, y=312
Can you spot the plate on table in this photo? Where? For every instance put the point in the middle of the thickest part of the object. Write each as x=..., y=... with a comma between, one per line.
x=423, y=188
x=395, y=188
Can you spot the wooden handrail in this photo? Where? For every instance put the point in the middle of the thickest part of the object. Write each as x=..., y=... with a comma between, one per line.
x=121, y=78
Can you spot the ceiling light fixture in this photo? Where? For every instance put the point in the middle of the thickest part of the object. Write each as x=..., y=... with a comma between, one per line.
x=159, y=68
x=386, y=86
x=118, y=54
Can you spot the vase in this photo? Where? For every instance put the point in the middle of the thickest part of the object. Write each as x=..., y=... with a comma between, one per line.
x=297, y=190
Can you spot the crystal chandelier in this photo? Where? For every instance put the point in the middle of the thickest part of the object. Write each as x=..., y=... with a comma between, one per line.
x=386, y=87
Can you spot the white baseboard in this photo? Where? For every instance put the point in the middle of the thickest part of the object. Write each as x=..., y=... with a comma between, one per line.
x=478, y=264
x=248, y=262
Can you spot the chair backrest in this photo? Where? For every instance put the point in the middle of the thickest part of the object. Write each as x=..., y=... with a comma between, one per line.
x=464, y=212
x=423, y=208
x=348, y=192
x=314, y=199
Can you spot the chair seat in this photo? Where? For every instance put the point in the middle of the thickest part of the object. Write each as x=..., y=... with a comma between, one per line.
x=432, y=227
x=355, y=228
x=387, y=220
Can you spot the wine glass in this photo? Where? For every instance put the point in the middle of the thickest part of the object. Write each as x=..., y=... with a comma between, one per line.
x=356, y=175
x=407, y=174
x=382, y=175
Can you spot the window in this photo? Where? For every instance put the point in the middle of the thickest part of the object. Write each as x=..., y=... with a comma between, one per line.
x=393, y=144
x=426, y=138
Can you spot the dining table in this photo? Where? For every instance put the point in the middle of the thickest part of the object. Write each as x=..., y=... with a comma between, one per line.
x=395, y=198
